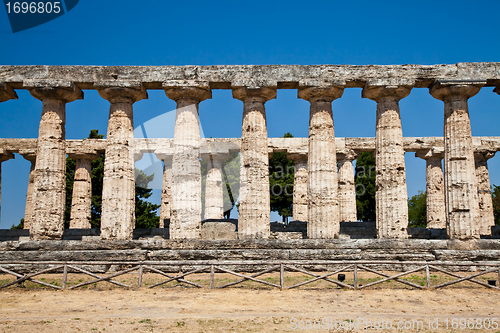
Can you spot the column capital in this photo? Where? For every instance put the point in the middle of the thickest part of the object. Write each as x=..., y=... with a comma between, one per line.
x=28, y=154
x=165, y=157
x=444, y=90
x=187, y=89
x=347, y=155
x=263, y=94
x=6, y=92
x=378, y=93
x=220, y=157
x=431, y=153
x=64, y=91
x=297, y=156
x=83, y=155
x=5, y=155
x=497, y=90
x=326, y=94
x=484, y=154
x=122, y=94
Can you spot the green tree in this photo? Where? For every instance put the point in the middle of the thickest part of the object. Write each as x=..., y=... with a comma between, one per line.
x=495, y=196
x=364, y=179
x=19, y=226
x=417, y=210
x=281, y=174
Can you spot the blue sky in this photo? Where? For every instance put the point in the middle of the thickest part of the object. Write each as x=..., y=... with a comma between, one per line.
x=256, y=32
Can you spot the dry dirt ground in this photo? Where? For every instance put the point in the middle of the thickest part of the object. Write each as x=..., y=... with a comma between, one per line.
x=175, y=308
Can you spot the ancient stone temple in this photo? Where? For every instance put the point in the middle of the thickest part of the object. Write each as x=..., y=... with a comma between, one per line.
x=458, y=195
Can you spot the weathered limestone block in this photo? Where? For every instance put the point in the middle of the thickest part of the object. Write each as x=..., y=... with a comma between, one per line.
x=323, y=206
x=459, y=168
x=436, y=211
x=486, y=216
x=218, y=230
x=347, y=187
x=49, y=195
x=185, y=219
x=29, y=195
x=166, y=194
x=299, y=186
x=214, y=186
x=118, y=193
x=390, y=181
x=4, y=156
x=254, y=211
x=81, y=202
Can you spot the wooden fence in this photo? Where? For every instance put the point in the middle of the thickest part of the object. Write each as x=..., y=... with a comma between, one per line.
x=214, y=267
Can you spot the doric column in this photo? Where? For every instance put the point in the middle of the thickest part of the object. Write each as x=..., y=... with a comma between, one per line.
x=254, y=210
x=299, y=186
x=486, y=216
x=459, y=170
x=166, y=194
x=30, y=156
x=4, y=156
x=185, y=220
x=347, y=187
x=49, y=189
x=390, y=181
x=214, y=186
x=434, y=189
x=118, y=188
x=81, y=203
x=323, y=206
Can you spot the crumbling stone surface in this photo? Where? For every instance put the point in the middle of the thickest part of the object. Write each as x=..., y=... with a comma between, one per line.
x=347, y=187
x=486, y=215
x=299, y=186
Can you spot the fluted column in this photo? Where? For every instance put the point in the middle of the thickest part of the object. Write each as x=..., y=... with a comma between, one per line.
x=347, y=187
x=166, y=194
x=49, y=189
x=4, y=156
x=185, y=221
x=31, y=156
x=390, y=181
x=459, y=170
x=81, y=202
x=434, y=189
x=118, y=192
x=214, y=186
x=486, y=216
x=323, y=206
x=254, y=210
x=299, y=186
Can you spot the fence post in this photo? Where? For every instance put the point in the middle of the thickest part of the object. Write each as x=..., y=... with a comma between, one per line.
x=282, y=276
x=212, y=276
x=427, y=276
x=355, y=276
x=65, y=275
x=140, y=276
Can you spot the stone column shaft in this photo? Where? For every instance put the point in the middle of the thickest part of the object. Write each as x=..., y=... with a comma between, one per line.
x=49, y=190
x=166, y=194
x=214, y=187
x=323, y=207
x=29, y=195
x=118, y=194
x=254, y=210
x=4, y=156
x=459, y=170
x=299, y=187
x=486, y=215
x=347, y=188
x=436, y=216
x=185, y=219
x=390, y=181
x=81, y=203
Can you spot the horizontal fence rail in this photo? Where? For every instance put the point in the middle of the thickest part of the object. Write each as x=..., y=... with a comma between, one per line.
x=213, y=267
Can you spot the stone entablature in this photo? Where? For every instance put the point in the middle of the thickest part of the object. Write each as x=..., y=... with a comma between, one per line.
x=122, y=86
